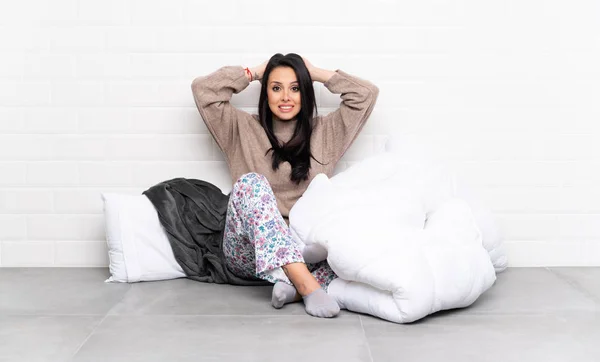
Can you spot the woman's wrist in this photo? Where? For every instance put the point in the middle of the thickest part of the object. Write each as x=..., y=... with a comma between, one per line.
x=256, y=73
x=252, y=74
x=247, y=74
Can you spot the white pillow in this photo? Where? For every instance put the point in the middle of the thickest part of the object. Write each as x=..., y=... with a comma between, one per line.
x=422, y=151
x=138, y=247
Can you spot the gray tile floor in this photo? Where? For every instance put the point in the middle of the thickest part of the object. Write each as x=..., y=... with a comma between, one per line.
x=70, y=314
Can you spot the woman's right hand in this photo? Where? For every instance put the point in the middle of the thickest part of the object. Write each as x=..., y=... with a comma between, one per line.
x=259, y=70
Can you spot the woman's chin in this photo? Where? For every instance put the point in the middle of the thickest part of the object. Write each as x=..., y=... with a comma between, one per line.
x=285, y=116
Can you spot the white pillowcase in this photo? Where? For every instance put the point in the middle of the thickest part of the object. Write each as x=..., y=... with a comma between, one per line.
x=138, y=247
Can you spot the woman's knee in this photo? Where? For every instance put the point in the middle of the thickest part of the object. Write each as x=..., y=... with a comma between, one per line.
x=251, y=178
x=250, y=189
x=251, y=181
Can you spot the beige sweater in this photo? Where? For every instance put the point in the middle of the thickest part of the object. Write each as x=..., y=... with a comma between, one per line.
x=244, y=142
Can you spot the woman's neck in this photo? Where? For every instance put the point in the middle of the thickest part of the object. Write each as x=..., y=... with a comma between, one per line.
x=284, y=129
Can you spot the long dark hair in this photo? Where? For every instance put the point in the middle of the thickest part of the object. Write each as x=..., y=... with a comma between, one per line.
x=297, y=150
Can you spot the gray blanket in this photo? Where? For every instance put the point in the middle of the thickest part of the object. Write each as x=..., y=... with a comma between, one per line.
x=192, y=212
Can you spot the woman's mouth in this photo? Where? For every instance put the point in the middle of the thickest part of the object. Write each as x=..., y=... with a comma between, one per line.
x=285, y=109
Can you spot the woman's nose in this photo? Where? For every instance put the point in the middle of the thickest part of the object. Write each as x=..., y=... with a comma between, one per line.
x=285, y=95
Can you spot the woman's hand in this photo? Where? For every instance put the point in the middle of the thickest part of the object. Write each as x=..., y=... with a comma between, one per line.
x=309, y=66
x=317, y=74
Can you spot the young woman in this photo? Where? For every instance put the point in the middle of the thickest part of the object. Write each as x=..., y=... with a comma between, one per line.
x=272, y=158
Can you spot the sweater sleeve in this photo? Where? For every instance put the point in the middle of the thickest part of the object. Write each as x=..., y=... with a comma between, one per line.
x=212, y=94
x=342, y=126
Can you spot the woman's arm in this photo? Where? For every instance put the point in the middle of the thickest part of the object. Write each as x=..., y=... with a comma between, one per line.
x=341, y=127
x=321, y=75
x=257, y=72
x=318, y=74
x=212, y=94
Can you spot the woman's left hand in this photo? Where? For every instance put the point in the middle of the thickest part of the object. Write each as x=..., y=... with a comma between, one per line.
x=309, y=66
x=317, y=74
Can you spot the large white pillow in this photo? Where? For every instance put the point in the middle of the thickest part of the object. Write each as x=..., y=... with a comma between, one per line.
x=422, y=151
x=138, y=247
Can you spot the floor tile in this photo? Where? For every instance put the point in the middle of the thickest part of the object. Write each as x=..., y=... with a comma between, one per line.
x=585, y=279
x=220, y=338
x=490, y=338
x=530, y=290
x=58, y=291
x=531, y=314
x=43, y=338
x=188, y=297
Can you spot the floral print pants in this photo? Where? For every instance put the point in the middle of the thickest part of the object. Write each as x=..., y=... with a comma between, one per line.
x=257, y=241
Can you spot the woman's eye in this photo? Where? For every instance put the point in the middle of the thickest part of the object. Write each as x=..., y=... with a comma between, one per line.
x=276, y=88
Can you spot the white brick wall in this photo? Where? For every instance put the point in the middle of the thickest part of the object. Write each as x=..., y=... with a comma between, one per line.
x=95, y=96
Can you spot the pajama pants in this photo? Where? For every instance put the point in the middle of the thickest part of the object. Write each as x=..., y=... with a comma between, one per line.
x=256, y=240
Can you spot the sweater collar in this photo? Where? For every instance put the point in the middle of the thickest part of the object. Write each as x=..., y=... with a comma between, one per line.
x=284, y=129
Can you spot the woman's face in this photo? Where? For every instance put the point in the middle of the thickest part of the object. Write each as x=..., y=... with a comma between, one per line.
x=283, y=93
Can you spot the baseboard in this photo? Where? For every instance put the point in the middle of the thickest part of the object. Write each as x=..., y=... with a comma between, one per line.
x=552, y=253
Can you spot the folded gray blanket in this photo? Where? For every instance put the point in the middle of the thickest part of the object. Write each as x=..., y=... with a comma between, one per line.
x=193, y=213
